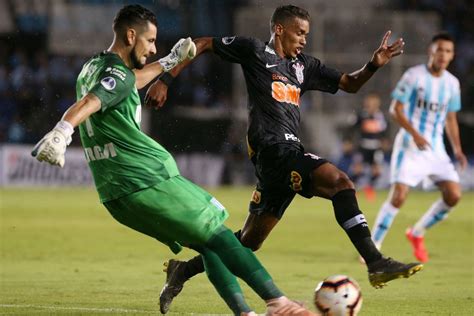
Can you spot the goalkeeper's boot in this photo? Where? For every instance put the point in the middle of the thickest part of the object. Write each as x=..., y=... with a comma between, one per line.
x=284, y=306
x=387, y=269
x=174, y=283
x=418, y=244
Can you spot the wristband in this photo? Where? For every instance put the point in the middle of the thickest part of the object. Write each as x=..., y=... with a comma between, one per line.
x=166, y=78
x=371, y=67
x=65, y=128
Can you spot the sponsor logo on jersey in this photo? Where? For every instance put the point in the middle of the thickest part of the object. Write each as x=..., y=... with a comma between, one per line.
x=91, y=69
x=256, y=197
x=292, y=137
x=270, y=65
x=296, y=180
x=371, y=126
x=228, y=40
x=299, y=72
x=279, y=77
x=287, y=93
x=108, y=83
x=117, y=72
x=430, y=106
x=98, y=153
x=84, y=91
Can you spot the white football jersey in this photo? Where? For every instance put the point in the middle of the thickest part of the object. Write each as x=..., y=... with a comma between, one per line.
x=427, y=101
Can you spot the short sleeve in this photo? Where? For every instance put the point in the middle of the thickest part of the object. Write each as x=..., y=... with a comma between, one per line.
x=319, y=77
x=454, y=104
x=113, y=85
x=405, y=87
x=235, y=49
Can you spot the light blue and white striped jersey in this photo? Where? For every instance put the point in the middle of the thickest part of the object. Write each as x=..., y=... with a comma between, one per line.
x=427, y=100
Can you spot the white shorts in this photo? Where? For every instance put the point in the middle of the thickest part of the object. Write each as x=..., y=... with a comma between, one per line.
x=411, y=166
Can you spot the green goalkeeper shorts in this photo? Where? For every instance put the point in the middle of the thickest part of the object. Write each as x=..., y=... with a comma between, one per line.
x=176, y=212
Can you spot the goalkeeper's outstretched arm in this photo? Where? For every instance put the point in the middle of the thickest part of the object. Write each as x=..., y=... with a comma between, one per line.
x=182, y=50
x=52, y=147
x=157, y=92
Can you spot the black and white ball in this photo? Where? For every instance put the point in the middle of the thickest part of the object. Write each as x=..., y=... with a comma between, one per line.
x=338, y=295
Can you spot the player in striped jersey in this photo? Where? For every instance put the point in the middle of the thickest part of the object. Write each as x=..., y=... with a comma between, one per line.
x=425, y=102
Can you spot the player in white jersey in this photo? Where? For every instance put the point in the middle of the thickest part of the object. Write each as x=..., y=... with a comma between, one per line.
x=425, y=102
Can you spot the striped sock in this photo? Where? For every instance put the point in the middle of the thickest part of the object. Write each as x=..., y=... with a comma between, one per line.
x=435, y=214
x=383, y=222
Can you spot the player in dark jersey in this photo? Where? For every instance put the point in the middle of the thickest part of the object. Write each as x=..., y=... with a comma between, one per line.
x=371, y=127
x=137, y=179
x=276, y=74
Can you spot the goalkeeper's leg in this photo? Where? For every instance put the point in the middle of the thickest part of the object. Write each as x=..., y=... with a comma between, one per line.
x=177, y=273
x=225, y=257
x=255, y=231
x=224, y=281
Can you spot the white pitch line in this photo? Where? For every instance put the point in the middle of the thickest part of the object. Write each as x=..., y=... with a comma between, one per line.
x=88, y=309
x=94, y=309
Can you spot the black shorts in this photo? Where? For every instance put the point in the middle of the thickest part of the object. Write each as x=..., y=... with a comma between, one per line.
x=371, y=156
x=282, y=171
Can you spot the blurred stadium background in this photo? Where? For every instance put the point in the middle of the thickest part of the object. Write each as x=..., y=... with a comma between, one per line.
x=43, y=44
x=62, y=253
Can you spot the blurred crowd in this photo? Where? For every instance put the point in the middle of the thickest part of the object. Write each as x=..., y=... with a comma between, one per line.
x=456, y=17
x=36, y=87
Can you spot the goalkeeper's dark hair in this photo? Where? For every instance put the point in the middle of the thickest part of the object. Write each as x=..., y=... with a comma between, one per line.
x=445, y=36
x=284, y=13
x=131, y=16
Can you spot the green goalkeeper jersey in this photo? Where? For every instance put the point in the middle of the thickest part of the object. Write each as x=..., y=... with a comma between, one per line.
x=121, y=157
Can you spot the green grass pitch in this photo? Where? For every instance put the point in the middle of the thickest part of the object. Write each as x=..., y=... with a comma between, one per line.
x=62, y=253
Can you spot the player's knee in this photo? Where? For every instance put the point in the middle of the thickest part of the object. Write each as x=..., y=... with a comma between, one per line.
x=397, y=200
x=398, y=195
x=452, y=198
x=343, y=182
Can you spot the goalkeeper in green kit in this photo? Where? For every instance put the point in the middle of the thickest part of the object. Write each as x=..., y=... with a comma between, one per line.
x=137, y=179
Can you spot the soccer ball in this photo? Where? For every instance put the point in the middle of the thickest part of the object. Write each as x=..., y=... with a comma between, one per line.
x=338, y=295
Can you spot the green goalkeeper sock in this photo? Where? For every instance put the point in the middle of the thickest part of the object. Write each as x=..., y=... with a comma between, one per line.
x=224, y=281
x=242, y=262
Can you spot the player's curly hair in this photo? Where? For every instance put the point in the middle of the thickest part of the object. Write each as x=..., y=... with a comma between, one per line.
x=286, y=12
x=132, y=16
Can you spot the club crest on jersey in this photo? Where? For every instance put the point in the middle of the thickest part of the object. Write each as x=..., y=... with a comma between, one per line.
x=228, y=40
x=108, y=83
x=299, y=72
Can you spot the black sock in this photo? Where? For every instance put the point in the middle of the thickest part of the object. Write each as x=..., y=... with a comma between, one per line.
x=196, y=265
x=351, y=219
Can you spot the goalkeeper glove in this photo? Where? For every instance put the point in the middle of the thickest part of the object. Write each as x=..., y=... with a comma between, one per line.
x=52, y=147
x=184, y=48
